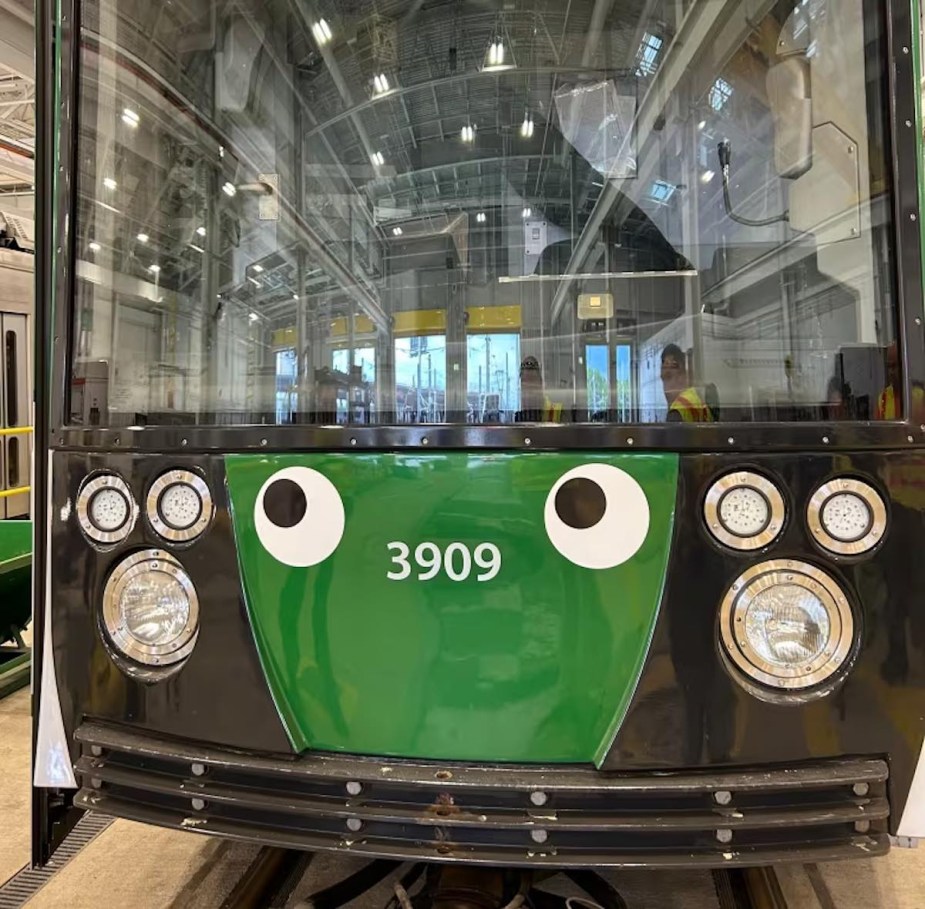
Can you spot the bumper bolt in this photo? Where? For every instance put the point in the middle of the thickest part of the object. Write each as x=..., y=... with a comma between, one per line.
x=354, y=788
x=862, y=826
x=723, y=797
x=861, y=789
x=96, y=783
x=724, y=835
x=539, y=798
x=198, y=769
x=354, y=824
x=539, y=835
x=198, y=804
x=96, y=751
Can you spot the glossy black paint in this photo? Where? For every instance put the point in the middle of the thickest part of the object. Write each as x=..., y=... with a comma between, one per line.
x=689, y=711
x=221, y=694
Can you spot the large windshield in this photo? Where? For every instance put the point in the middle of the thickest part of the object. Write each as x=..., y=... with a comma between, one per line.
x=375, y=211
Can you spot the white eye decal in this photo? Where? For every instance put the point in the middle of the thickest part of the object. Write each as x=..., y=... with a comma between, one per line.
x=597, y=516
x=299, y=517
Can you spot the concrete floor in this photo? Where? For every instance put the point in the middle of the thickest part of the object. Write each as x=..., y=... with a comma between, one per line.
x=148, y=868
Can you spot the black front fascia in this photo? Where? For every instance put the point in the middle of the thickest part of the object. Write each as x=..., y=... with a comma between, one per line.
x=688, y=711
x=221, y=694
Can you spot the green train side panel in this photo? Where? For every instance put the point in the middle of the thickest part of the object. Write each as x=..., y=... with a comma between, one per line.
x=537, y=663
x=15, y=577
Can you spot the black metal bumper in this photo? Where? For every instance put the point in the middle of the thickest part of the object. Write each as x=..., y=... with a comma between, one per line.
x=503, y=815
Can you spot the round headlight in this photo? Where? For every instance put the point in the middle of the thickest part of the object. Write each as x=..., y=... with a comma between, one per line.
x=150, y=609
x=744, y=511
x=846, y=517
x=106, y=510
x=179, y=505
x=787, y=625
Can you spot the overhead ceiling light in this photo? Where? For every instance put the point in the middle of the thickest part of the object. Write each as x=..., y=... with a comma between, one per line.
x=381, y=84
x=130, y=118
x=142, y=238
x=229, y=189
x=253, y=317
x=198, y=249
x=295, y=297
x=481, y=217
x=377, y=158
x=95, y=247
x=322, y=32
x=468, y=133
x=258, y=269
x=707, y=176
x=201, y=231
x=109, y=183
x=527, y=212
x=528, y=127
x=397, y=231
x=702, y=125
x=154, y=269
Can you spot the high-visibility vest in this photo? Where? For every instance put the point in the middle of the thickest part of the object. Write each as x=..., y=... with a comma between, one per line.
x=889, y=407
x=690, y=406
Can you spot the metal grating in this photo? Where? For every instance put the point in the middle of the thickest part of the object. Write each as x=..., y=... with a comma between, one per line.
x=23, y=885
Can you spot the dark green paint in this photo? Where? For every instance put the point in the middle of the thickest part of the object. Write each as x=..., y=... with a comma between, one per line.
x=537, y=665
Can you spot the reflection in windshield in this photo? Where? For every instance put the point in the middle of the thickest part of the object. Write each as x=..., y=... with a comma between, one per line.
x=406, y=212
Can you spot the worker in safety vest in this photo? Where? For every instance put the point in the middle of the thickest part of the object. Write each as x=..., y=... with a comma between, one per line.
x=536, y=407
x=889, y=404
x=685, y=404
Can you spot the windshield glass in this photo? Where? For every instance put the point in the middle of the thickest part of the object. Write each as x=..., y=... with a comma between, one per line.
x=319, y=211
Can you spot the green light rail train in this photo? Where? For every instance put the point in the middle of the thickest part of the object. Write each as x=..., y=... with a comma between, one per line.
x=483, y=432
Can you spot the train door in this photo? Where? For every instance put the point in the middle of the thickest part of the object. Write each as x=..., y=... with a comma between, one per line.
x=15, y=412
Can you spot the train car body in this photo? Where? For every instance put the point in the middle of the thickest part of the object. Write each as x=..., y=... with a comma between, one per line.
x=491, y=435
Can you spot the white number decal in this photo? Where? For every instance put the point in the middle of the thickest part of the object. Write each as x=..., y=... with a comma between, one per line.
x=427, y=555
x=456, y=562
x=488, y=557
x=450, y=568
x=401, y=559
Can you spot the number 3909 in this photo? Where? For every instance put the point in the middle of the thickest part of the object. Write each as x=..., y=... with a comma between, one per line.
x=456, y=561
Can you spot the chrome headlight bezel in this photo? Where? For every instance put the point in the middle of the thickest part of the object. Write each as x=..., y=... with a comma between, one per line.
x=873, y=501
x=123, y=642
x=743, y=655
x=155, y=514
x=744, y=479
x=90, y=487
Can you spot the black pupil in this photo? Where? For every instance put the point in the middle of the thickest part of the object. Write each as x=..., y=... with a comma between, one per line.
x=581, y=503
x=284, y=503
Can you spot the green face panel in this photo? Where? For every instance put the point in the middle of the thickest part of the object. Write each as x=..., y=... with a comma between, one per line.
x=510, y=651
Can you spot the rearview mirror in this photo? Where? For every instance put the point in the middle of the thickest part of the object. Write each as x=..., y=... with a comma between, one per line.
x=790, y=97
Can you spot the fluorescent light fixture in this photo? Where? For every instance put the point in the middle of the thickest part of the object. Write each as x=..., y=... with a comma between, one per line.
x=258, y=269
x=254, y=281
x=95, y=247
x=201, y=231
x=154, y=269
x=481, y=217
x=528, y=127
x=707, y=176
x=253, y=317
x=322, y=32
x=198, y=249
x=702, y=125
x=468, y=133
x=496, y=53
x=130, y=117
x=295, y=296
x=229, y=189
x=527, y=212
x=109, y=183
x=397, y=231
x=377, y=158
x=381, y=84
x=142, y=238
